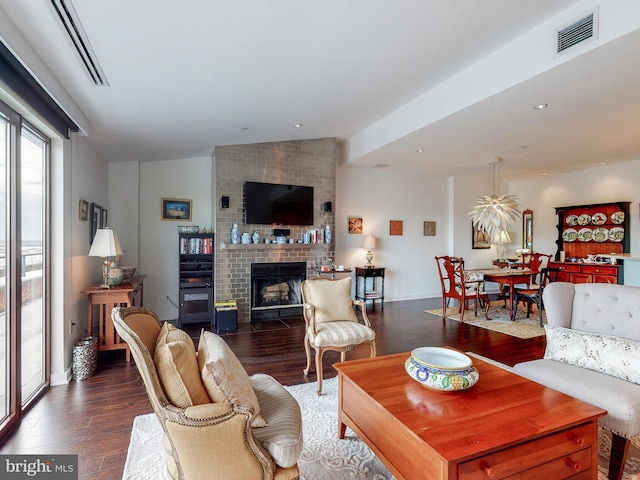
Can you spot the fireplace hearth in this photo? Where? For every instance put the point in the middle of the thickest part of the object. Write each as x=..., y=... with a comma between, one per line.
x=275, y=290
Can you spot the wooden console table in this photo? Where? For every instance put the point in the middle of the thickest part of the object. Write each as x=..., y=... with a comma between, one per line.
x=123, y=295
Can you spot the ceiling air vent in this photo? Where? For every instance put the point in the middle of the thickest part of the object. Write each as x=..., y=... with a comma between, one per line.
x=580, y=31
x=68, y=18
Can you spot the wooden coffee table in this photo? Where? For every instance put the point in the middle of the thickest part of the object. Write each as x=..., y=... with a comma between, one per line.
x=505, y=426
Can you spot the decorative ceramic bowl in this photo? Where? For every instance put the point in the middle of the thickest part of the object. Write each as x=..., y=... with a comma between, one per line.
x=441, y=369
x=127, y=271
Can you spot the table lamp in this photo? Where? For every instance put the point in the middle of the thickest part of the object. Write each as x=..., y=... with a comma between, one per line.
x=105, y=244
x=500, y=239
x=369, y=243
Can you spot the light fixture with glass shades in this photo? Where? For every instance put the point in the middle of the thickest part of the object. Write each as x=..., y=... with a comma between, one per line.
x=369, y=243
x=496, y=212
x=500, y=240
x=105, y=244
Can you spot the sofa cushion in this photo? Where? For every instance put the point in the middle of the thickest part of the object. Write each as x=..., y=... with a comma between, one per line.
x=620, y=398
x=615, y=356
x=282, y=438
x=177, y=367
x=331, y=299
x=224, y=377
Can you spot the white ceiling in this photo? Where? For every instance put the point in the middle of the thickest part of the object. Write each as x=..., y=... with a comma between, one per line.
x=187, y=76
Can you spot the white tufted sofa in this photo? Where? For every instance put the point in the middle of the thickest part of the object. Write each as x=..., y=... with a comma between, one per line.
x=594, y=312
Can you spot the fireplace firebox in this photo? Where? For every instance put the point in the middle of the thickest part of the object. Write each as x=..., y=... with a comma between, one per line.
x=275, y=290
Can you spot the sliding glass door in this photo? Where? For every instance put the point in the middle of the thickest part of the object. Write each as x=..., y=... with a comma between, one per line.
x=24, y=160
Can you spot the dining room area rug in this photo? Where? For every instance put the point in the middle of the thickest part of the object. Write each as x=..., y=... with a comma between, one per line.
x=324, y=457
x=522, y=327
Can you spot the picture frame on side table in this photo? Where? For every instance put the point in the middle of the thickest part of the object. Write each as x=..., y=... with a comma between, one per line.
x=479, y=239
x=176, y=209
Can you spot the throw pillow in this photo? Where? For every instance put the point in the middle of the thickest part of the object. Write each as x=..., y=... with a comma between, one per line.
x=330, y=298
x=177, y=367
x=614, y=356
x=224, y=377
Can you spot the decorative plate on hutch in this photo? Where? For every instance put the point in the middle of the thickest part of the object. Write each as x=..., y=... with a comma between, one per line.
x=585, y=234
x=584, y=219
x=572, y=220
x=616, y=234
x=599, y=218
x=570, y=235
x=617, y=217
x=600, y=234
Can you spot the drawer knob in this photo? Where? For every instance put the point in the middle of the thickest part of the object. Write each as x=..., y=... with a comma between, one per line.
x=490, y=471
x=579, y=441
x=575, y=465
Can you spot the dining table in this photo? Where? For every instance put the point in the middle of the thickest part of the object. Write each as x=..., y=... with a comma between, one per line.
x=508, y=276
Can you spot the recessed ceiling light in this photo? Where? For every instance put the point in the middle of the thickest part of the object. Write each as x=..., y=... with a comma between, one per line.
x=540, y=106
x=602, y=163
x=297, y=125
x=544, y=174
x=420, y=150
x=380, y=165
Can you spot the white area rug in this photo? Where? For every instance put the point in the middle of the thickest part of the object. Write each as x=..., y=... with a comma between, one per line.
x=324, y=455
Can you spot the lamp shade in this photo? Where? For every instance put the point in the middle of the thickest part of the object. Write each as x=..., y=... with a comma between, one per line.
x=105, y=244
x=369, y=243
x=502, y=237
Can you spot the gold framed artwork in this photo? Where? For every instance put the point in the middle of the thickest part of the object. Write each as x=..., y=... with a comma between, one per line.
x=176, y=209
x=84, y=210
x=395, y=227
x=429, y=229
x=355, y=225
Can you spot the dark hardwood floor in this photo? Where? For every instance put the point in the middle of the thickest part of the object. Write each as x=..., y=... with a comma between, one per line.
x=93, y=418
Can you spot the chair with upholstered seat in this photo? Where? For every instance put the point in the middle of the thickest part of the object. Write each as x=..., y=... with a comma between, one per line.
x=205, y=438
x=455, y=284
x=331, y=322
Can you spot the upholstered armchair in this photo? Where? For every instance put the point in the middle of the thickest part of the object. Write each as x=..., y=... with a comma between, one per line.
x=331, y=322
x=210, y=439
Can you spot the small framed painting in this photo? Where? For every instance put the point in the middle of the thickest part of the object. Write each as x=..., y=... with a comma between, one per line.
x=479, y=239
x=395, y=227
x=176, y=209
x=355, y=225
x=429, y=229
x=84, y=210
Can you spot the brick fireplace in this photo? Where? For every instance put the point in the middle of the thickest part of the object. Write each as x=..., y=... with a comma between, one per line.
x=303, y=162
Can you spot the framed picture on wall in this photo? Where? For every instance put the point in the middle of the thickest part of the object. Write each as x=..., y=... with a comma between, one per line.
x=479, y=239
x=95, y=215
x=176, y=209
x=84, y=210
x=355, y=225
x=103, y=219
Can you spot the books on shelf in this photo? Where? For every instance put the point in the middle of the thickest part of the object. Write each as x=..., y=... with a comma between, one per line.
x=371, y=294
x=196, y=246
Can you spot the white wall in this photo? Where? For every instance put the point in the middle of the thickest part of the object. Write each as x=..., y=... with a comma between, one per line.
x=158, y=258
x=379, y=196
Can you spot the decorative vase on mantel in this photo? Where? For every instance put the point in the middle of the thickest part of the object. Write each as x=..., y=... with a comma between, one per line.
x=256, y=236
x=327, y=234
x=235, y=234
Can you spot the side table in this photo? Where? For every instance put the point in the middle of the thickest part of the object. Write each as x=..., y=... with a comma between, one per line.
x=124, y=295
x=373, y=294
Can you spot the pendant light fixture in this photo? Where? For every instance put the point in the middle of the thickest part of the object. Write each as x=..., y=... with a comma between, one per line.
x=497, y=212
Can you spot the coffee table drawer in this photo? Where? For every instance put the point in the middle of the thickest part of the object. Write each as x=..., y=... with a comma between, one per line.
x=556, y=456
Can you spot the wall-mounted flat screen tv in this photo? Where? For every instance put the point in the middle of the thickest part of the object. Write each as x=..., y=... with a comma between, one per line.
x=270, y=203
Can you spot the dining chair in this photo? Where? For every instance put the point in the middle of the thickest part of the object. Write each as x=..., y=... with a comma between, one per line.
x=455, y=284
x=533, y=293
x=535, y=262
